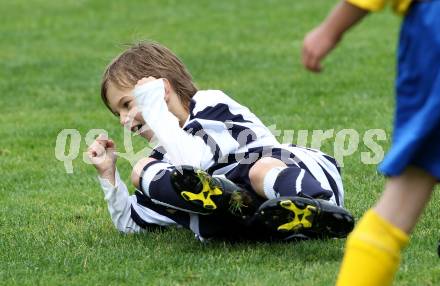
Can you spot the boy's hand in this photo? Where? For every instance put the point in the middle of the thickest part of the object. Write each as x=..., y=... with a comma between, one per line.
x=102, y=155
x=320, y=41
x=317, y=44
x=150, y=99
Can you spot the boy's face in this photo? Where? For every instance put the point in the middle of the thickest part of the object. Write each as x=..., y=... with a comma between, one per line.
x=123, y=105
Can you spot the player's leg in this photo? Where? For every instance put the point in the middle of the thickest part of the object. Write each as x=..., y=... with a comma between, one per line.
x=373, y=249
x=401, y=204
x=214, y=193
x=187, y=189
x=138, y=169
x=272, y=178
x=315, y=218
x=266, y=168
x=152, y=178
x=287, y=210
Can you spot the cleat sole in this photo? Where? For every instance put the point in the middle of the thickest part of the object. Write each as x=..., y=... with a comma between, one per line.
x=301, y=216
x=311, y=217
x=288, y=215
x=204, y=197
x=209, y=194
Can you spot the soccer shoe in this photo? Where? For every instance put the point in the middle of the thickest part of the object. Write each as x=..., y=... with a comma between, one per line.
x=315, y=218
x=213, y=194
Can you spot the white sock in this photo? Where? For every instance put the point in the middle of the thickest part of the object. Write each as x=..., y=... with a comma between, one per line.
x=269, y=182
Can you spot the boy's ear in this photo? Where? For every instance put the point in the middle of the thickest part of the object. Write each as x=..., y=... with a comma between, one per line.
x=168, y=89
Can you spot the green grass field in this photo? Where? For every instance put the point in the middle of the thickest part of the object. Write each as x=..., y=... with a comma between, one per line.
x=55, y=228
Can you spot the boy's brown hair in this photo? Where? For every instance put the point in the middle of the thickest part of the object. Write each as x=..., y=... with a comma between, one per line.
x=146, y=59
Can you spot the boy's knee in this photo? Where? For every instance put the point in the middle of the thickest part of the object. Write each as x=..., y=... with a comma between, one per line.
x=137, y=170
x=262, y=166
x=260, y=169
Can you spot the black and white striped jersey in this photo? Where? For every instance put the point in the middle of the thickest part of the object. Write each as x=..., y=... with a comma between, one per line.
x=236, y=138
x=225, y=126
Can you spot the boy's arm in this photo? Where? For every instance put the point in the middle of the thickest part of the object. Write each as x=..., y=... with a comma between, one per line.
x=119, y=204
x=320, y=41
x=182, y=148
x=102, y=155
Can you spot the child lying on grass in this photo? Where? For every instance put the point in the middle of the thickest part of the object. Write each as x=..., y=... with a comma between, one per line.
x=217, y=170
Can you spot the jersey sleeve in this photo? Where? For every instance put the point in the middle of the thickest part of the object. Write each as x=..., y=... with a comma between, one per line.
x=126, y=213
x=369, y=5
x=181, y=147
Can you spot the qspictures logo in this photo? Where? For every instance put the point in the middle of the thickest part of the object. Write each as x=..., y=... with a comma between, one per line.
x=345, y=143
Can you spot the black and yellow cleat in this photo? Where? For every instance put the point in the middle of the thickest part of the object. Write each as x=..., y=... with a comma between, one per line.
x=213, y=194
x=207, y=193
x=313, y=217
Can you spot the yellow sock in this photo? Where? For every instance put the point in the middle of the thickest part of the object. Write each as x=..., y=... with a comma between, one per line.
x=372, y=253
